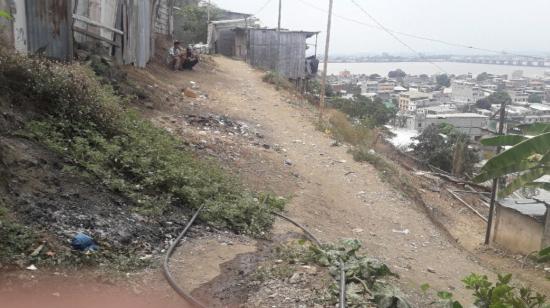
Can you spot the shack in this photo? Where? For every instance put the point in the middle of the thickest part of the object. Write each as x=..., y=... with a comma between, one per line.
x=127, y=30
x=522, y=225
x=221, y=35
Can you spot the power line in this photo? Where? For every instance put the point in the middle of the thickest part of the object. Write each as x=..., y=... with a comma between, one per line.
x=395, y=36
x=262, y=8
x=420, y=37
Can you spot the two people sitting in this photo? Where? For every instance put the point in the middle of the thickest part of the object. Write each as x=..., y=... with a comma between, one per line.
x=182, y=59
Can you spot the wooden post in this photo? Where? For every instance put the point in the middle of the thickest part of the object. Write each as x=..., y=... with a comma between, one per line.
x=495, y=181
x=278, y=63
x=546, y=233
x=325, y=64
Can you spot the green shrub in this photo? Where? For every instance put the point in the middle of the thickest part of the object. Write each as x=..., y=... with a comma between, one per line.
x=85, y=121
x=15, y=239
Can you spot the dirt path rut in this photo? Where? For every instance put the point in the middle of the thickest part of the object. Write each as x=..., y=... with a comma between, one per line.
x=335, y=196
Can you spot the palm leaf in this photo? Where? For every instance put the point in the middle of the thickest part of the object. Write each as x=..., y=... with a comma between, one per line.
x=524, y=179
x=5, y=14
x=541, y=185
x=503, y=140
x=515, y=159
x=535, y=129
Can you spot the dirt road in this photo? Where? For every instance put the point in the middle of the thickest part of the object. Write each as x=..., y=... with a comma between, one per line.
x=333, y=195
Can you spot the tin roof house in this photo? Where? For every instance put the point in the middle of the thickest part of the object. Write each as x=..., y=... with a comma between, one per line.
x=127, y=30
x=282, y=51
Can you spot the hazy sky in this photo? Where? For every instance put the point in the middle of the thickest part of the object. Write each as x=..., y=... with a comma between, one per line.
x=511, y=25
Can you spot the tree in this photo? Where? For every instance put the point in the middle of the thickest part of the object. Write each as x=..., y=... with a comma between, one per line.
x=446, y=148
x=528, y=159
x=397, y=74
x=443, y=81
x=371, y=112
x=374, y=77
x=499, y=97
x=534, y=98
x=6, y=15
x=483, y=104
x=194, y=22
x=482, y=77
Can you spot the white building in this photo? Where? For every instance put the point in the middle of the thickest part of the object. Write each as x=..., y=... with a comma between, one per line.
x=465, y=92
x=409, y=101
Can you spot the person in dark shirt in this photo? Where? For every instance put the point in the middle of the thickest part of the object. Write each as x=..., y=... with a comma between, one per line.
x=191, y=59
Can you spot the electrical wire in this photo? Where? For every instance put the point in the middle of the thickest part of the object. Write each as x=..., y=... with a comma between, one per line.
x=420, y=37
x=396, y=37
x=262, y=8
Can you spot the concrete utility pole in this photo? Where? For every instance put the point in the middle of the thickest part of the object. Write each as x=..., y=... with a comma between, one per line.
x=495, y=181
x=325, y=63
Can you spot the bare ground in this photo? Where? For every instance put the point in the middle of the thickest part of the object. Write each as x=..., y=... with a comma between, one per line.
x=334, y=196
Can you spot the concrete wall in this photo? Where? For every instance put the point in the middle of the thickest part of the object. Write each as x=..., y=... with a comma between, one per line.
x=516, y=232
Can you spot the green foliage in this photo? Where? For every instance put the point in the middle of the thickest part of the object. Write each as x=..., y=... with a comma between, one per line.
x=507, y=140
x=443, y=80
x=15, y=239
x=314, y=87
x=278, y=80
x=195, y=21
x=482, y=77
x=534, y=98
x=363, y=275
x=345, y=131
x=373, y=112
x=85, y=121
x=446, y=148
x=397, y=74
x=529, y=158
x=502, y=294
x=496, y=98
x=5, y=15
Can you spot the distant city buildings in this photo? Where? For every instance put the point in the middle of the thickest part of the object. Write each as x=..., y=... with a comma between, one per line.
x=421, y=102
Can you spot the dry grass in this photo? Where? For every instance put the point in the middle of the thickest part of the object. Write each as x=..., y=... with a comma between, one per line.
x=340, y=127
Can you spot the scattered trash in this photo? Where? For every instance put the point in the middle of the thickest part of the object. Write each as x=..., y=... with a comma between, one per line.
x=84, y=242
x=372, y=152
x=406, y=231
x=357, y=230
x=56, y=294
x=189, y=93
x=288, y=162
x=32, y=268
x=431, y=270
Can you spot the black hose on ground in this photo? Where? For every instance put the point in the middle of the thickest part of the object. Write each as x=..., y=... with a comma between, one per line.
x=166, y=269
x=190, y=299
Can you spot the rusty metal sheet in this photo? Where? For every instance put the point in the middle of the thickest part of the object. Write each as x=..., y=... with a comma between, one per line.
x=49, y=24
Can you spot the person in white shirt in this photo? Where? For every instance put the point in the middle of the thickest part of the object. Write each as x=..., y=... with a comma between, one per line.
x=177, y=56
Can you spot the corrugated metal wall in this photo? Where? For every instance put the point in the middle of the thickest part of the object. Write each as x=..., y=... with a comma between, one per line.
x=263, y=44
x=137, y=29
x=49, y=28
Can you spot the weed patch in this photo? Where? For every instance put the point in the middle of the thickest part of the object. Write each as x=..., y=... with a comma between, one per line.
x=86, y=122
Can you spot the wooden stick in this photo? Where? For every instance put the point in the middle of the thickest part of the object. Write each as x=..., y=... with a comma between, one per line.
x=97, y=24
x=466, y=204
x=96, y=36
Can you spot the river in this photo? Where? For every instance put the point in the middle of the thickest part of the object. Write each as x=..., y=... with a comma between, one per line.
x=417, y=68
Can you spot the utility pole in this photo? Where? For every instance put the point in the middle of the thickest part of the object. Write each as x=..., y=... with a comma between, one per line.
x=325, y=63
x=278, y=63
x=208, y=11
x=495, y=181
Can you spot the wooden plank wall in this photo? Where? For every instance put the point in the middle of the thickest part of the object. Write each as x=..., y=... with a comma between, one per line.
x=263, y=53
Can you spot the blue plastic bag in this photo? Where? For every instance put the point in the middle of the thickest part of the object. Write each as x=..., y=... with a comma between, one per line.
x=84, y=242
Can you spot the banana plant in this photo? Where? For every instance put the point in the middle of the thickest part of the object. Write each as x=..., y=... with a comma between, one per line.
x=529, y=157
x=6, y=15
